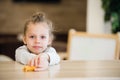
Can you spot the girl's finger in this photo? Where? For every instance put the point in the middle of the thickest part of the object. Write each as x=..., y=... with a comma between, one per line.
x=36, y=61
x=29, y=62
x=41, y=69
x=32, y=62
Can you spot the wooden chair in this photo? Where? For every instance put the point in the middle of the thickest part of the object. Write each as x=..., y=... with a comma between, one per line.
x=86, y=46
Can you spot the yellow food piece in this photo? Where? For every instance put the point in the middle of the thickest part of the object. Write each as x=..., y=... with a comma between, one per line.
x=28, y=68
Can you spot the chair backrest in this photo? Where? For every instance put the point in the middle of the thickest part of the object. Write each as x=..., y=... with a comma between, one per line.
x=86, y=46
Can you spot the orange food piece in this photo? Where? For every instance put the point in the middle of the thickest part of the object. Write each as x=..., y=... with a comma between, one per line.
x=28, y=68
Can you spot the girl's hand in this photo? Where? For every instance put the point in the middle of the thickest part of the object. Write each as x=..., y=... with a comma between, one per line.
x=41, y=62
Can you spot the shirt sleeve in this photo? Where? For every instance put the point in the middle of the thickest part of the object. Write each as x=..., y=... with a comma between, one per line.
x=22, y=55
x=54, y=57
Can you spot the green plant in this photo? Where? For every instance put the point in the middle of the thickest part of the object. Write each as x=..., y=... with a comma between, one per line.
x=112, y=13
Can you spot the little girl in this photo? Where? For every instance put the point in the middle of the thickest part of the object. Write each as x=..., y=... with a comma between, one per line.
x=38, y=36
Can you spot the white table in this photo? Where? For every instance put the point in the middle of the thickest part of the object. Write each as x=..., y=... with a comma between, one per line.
x=66, y=70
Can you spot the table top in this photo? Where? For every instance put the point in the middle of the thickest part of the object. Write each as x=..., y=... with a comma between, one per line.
x=66, y=70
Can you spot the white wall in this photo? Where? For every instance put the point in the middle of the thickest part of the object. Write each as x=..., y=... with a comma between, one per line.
x=95, y=18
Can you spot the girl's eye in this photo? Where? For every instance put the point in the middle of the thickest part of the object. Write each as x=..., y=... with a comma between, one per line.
x=31, y=36
x=43, y=37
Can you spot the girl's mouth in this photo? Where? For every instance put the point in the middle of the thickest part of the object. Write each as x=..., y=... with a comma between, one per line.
x=37, y=47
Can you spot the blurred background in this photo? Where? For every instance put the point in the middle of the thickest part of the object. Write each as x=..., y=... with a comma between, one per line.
x=82, y=15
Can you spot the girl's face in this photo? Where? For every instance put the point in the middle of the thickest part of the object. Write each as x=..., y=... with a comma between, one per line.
x=37, y=37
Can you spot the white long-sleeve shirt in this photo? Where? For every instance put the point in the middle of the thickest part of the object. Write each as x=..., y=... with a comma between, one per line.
x=22, y=55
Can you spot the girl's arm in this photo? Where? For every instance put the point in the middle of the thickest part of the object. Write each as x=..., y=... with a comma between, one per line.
x=22, y=55
x=53, y=56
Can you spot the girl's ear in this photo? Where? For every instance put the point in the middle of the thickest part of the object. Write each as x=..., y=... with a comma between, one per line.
x=24, y=40
x=51, y=39
x=50, y=42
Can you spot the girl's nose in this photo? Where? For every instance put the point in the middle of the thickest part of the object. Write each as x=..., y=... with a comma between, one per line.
x=37, y=40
